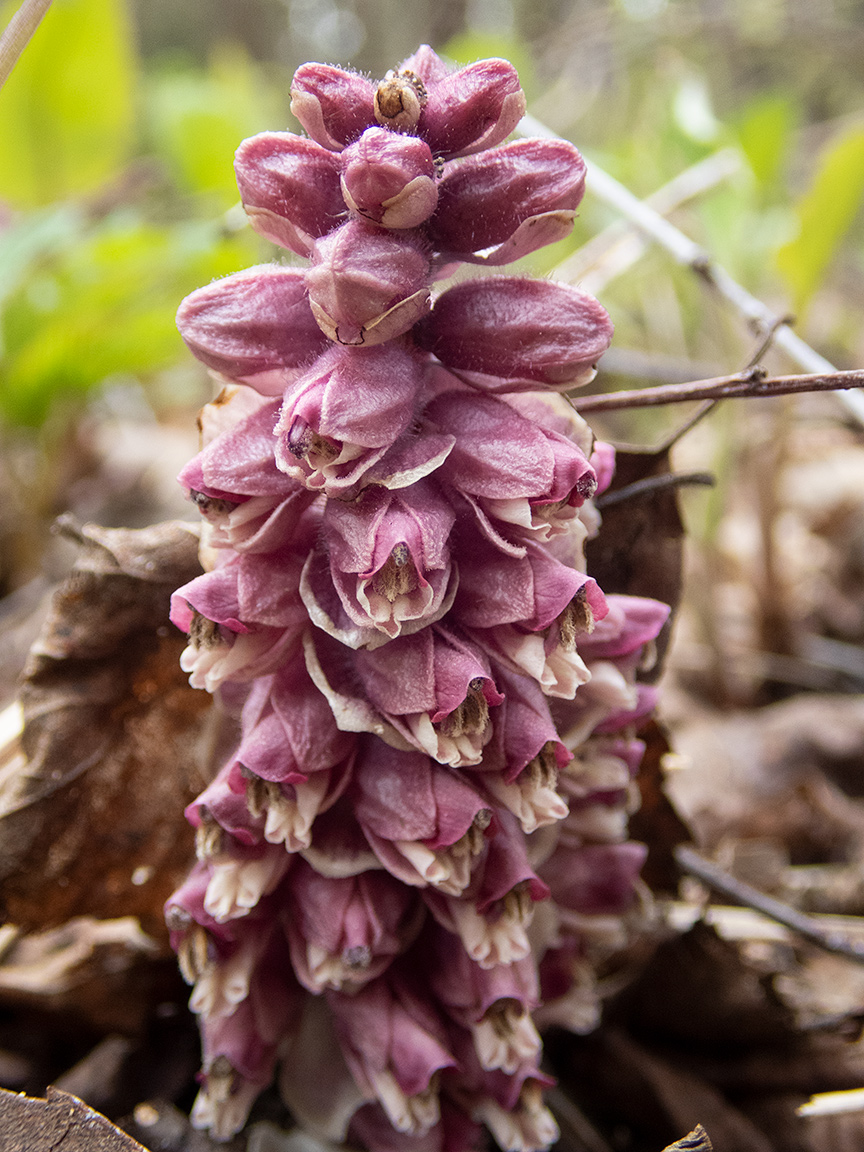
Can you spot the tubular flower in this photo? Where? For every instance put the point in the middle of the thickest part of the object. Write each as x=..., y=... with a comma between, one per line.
x=420, y=835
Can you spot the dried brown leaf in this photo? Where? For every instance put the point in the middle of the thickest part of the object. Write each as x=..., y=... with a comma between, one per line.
x=639, y=550
x=61, y=1120
x=92, y=822
x=656, y=822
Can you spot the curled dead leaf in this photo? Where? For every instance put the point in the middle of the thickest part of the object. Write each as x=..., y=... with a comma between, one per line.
x=91, y=804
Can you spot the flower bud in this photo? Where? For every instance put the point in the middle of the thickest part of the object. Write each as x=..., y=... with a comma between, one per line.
x=389, y=179
x=363, y=397
x=511, y=327
x=334, y=106
x=367, y=286
x=290, y=188
x=255, y=326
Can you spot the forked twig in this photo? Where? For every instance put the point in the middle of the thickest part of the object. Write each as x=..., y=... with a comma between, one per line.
x=741, y=384
x=806, y=926
x=689, y=253
x=17, y=33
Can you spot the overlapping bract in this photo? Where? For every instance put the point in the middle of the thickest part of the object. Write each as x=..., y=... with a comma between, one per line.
x=436, y=737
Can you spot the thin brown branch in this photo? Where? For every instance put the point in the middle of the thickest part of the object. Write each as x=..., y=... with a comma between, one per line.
x=653, y=484
x=758, y=315
x=806, y=926
x=742, y=384
x=17, y=33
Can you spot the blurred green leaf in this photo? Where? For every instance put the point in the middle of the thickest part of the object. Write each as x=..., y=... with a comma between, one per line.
x=32, y=238
x=66, y=112
x=105, y=305
x=825, y=214
x=198, y=119
x=764, y=132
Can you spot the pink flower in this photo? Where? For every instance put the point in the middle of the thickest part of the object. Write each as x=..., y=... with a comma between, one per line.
x=594, y=879
x=389, y=179
x=382, y=567
x=493, y=1004
x=346, y=931
x=248, y=504
x=394, y=1044
x=436, y=690
x=240, y=1048
x=455, y=1131
x=255, y=326
x=509, y=469
x=431, y=691
x=290, y=188
x=426, y=824
x=221, y=647
x=345, y=405
x=512, y=327
x=493, y=915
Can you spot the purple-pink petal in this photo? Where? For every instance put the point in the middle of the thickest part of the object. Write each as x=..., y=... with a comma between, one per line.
x=333, y=105
x=484, y=199
x=255, y=326
x=290, y=188
x=474, y=108
x=512, y=327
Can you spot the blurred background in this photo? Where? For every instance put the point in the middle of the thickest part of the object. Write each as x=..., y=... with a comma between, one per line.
x=117, y=197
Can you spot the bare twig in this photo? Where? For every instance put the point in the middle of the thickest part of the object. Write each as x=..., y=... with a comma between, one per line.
x=760, y=317
x=17, y=32
x=741, y=384
x=806, y=926
x=576, y=1130
x=652, y=484
x=619, y=246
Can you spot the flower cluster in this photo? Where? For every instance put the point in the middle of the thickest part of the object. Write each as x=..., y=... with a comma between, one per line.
x=438, y=704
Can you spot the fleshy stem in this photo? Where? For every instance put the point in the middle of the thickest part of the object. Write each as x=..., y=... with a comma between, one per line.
x=18, y=32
